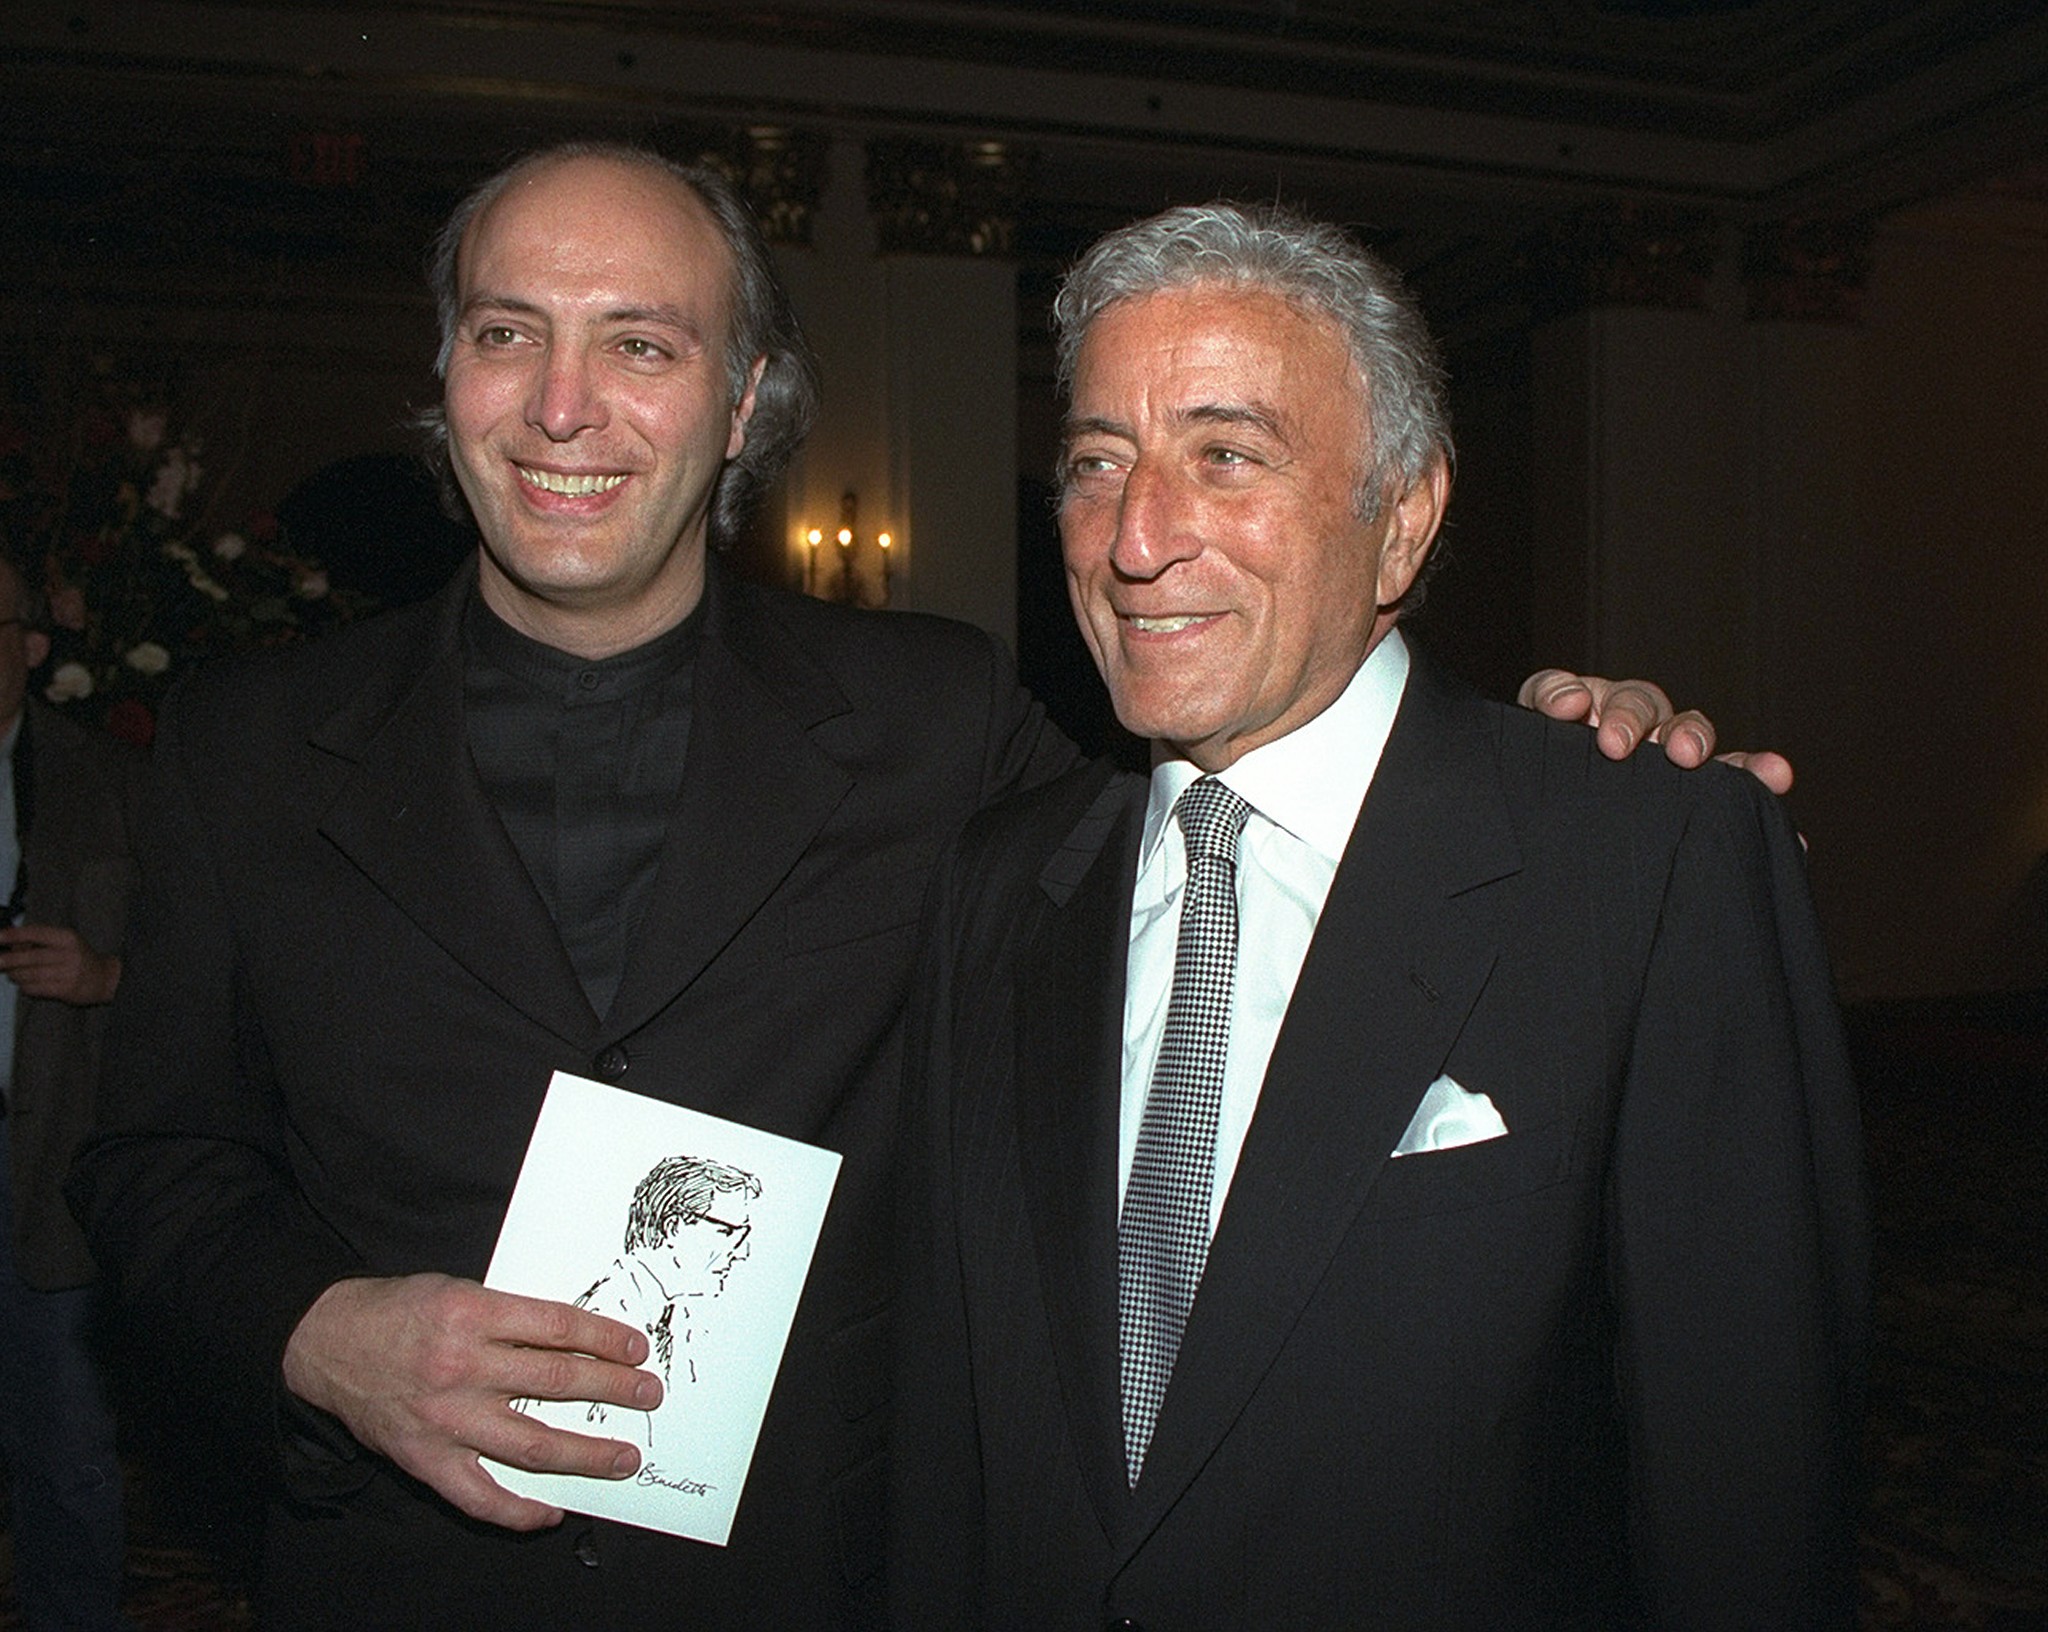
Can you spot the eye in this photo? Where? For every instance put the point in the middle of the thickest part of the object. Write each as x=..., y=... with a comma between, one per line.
x=642, y=350
x=1081, y=467
x=1227, y=457
x=497, y=334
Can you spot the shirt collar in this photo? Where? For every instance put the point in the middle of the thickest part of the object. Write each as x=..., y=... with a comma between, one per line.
x=564, y=675
x=1312, y=781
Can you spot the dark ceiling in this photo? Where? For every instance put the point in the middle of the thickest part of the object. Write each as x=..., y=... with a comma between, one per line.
x=200, y=137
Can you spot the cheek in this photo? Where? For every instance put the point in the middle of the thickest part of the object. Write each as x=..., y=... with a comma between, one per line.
x=470, y=404
x=1088, y=596
x=1085, y=535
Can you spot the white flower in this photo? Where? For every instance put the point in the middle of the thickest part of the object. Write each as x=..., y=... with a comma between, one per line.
x=230, y=546
x=147, y=658
x=312, y=586
x=175, y=477
x=146, y=430
x=71, y=680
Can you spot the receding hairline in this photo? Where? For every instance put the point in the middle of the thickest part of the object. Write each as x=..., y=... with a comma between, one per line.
x=624, y=161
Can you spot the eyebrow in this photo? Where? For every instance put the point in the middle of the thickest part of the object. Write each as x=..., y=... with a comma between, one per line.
x=1256, y=415
x=662, y=315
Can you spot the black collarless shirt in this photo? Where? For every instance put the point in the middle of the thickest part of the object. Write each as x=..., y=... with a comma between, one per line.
x=583, y=759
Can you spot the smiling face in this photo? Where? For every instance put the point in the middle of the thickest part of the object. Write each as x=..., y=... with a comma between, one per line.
x=588, y=404
x=1222, y=578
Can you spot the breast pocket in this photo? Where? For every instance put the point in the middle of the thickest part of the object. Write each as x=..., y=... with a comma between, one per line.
x=1443, y=1181
x=856, y=906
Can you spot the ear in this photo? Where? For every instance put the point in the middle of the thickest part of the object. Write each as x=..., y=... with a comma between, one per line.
x=35, y=646
x=1411, y=531
x=745, y=409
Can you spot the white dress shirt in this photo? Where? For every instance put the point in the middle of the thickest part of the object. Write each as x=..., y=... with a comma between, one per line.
x=1305, y=790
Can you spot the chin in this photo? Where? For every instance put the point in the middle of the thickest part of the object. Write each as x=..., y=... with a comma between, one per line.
x=1173, y=719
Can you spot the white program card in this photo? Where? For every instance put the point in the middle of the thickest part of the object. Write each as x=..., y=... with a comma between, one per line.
x=700, y=1232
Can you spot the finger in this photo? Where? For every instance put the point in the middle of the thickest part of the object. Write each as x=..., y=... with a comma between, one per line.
x=552, y=1374
x=1635, y=705
x=522, y=1441
x=1556, y=692
x=542, y=1323
x=1688, y=738
x=1774, y=771
x=461, y=1478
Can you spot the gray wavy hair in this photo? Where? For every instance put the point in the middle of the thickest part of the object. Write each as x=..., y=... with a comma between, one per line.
x=763, y=326
x=1316, y=267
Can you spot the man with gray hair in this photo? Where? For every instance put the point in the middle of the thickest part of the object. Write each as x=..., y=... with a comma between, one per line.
x=1292, y=1251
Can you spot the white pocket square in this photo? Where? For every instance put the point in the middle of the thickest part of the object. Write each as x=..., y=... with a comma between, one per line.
x=1450, y=1116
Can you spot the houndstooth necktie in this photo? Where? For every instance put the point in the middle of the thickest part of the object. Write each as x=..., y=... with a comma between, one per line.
x=1163, y=1238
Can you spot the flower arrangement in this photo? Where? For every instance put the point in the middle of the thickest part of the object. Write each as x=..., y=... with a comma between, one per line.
x=144, y=580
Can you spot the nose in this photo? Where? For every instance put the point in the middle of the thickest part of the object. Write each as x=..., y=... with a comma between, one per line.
x=1154, y=526
x=566, y=398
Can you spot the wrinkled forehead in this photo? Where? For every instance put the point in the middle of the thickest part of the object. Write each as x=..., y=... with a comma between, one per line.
x=1189, y=346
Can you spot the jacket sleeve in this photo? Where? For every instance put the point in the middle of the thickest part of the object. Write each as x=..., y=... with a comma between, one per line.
x=183, y=1185
x=1023, y=748
x=1738, y=1245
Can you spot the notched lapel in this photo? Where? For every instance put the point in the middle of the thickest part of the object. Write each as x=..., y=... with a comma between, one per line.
x=1401, y=953
x=1069, y=1053
x=756, y=790
x=414, y=819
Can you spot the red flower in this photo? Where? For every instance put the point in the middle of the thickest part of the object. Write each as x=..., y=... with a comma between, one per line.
x=132, y=721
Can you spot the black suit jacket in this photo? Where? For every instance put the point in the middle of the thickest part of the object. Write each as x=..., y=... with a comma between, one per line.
x=81, y=872
x=1599, y=1372
x=344, y=1002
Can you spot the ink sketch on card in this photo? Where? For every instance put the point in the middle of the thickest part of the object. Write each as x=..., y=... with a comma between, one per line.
x=699, y=1232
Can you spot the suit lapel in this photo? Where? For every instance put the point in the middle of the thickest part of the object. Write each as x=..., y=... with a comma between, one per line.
x=1401, y=952
x=1069, y=1061
x=756, y=789
x=414, y=819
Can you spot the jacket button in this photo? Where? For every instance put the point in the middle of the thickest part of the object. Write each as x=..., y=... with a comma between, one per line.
x=1125, y=1625
x=611, y=1063
x=586, y=1550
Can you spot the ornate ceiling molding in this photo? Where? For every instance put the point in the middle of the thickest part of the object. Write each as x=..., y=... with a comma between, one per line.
x=959, y=198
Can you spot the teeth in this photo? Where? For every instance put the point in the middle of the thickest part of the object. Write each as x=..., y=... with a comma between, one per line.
x=549, y=481
x=1164, y=626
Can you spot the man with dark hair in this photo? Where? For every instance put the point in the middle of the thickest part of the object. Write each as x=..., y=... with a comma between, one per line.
x=596, y=807
x=67, y=811
x=1393, y=1167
